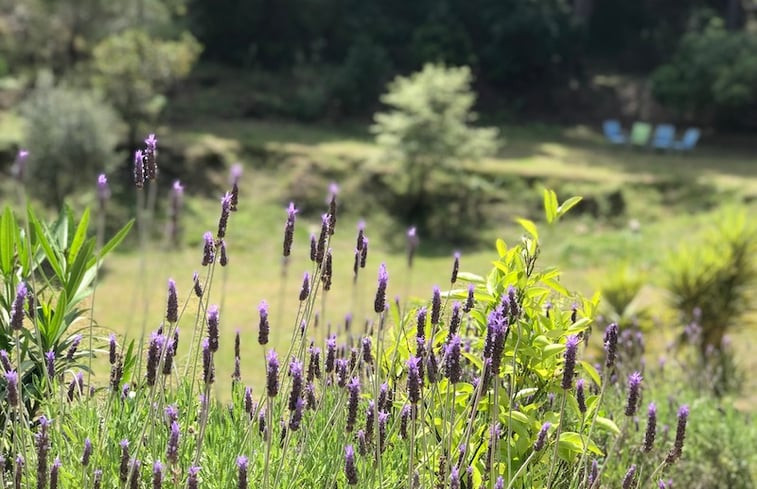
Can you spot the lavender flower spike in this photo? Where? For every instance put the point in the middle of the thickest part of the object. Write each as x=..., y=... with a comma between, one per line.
x=414, y=380
x=123, y=471
x=455, y=268
x=452, y=365
x=17, y=308
x=87, y=453
x=470, y=299
x=354, y=391
x=634, y=385
x=18, y=170
x=157, y=475
x=677, y=450
x=651, y=428
x=611, y=344
x=350, y=470
x=571, y=346
x=172, y=307
x=192, y=477
x=454, y=478
x=224, y=219
x=305, y=290
x=172, y=447
x=436, y=305
x=54, y=470
x=628, y=479
x=289, y=229
x=213, y=319
x=242, y=463
x=103, y=191
x=263, y=326
x=50, y=362
x=581, y=396
x=209, y=253
x=272, y=373
x=11, y=377
x=542, y=436
x=383, y=278
x=208, y=370
x=139, y=169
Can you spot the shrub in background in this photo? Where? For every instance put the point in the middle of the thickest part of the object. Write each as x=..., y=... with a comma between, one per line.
x=428, y=135
x=73, y=134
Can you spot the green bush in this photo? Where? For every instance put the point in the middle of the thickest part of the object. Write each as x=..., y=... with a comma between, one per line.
x=428, y=134
x=73, y=136
x=712, y=74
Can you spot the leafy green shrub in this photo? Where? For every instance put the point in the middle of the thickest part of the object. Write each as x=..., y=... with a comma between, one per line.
x=428, y=135
x=712, y=281
x=73, y=135
x=713, y=73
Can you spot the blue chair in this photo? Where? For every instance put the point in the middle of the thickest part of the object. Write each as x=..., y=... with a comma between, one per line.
x=613, y=132
x=688, y=141
x=664, y=136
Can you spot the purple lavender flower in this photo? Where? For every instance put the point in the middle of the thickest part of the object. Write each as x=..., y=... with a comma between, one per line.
x=436, y=305
x=192, y=474
x=362, y=443
x=571, y=346
x=350, y=470
x=172, y=447
x=153, y=356
x=500, y=483
x=412, y=244
x=305, y=290
x=370, y=420
x=112, y=349
x=420, y=323
x=581, y=396
x=263, y=325
x=87, y=453
x=209, y=253
x=242, y=463
x=11, y=377
x=677, y=450
x=383, y=278
x=611, y=345
x=97, y=477
x=404, y=419
x=223, y=259
x=383, y=397
x=295, y=371
x=628, y=479
x=43, y=447
x=383, y=418
x=454, y=478
x=455, y=267
x=235, y=174
x=150, y=156
x=261, y=423
x=328, y=271
x=314, y=363
x=208, y=370
x=249, y=405
x=224, y=219
x=213, y=328
x=499, y=330
x=103, y=191
x=542, y=436
x=341, y=371
x=432, y=367
x=177, y=197
x=134, y=467
x=50, y=363
x=272, y=373
x=54, y=470
x=330, y=354
x=5, y=361
x=157, y=475
x=320, y=249
x=171, y=413
x=17, y=308
x=414, y=381
x=470, y=299
x=452, y=366
x=651, y=428
x=196, y=283
x=354, y=391
x=172, y=308
x=367, y=354
x=634, y=385
x=123, y=471
x=139, y=169
x=72, y=349
x=454, y=321
x=364, y=253
x=295, y=417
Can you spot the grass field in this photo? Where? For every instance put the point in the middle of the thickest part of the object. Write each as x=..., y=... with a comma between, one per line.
x=130, y=298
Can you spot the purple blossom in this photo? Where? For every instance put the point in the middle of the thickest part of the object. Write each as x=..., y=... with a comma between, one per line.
x=153, y=356
x=224, y=219
x=367, y=354
x=310, y=400
x=677, y=450
x=295, y=371
x=213, y=318
x=330, y=354
x=72, y=349
x=454, y=321
x=500, y=483
x=436, y=305
x=571, y=346
x=17, y=308
x=634, y=385
x=452, y=366
x=383, y=418
x=364, y=253
x=272, y=373
x=235, y=174
x=649, y=436
x=249, y=405
x=87, y=453
x=455, y=267
x=242, y=463
x=350, y=470
x=172, y=447
x=50, y=362
x=157, y=475
x=19, y=167
x=542, y=436
x=209, y=253
x=11, y=377
x=611, y=345
x=150, y=154
x=383, y=278
x=305, y=290
x=97, y=478
x=103, y=191
x=314, y=363
x=112, y=349
x=139, y=169
x=43, y=447
x=354, y=391
x=263, y=326
x=581, y=396
x=208, y=370
x=123, y=471
x=295, y=417
x=341, y=371
x=223, y=258
x=320, y=249
x=628, y=479
x=54, y=470
x=420, y=323
x=414, y=381
x=313, y=247
x=5, y=361
x=404, y=420
x=192, y=474
x=172, y=308
x=470, y=299
x=196, y=283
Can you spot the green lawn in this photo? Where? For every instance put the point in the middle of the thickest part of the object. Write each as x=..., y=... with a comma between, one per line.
x=131, y=296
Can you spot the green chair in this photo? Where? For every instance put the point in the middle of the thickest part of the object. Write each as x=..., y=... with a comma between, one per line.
x=640, y=134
